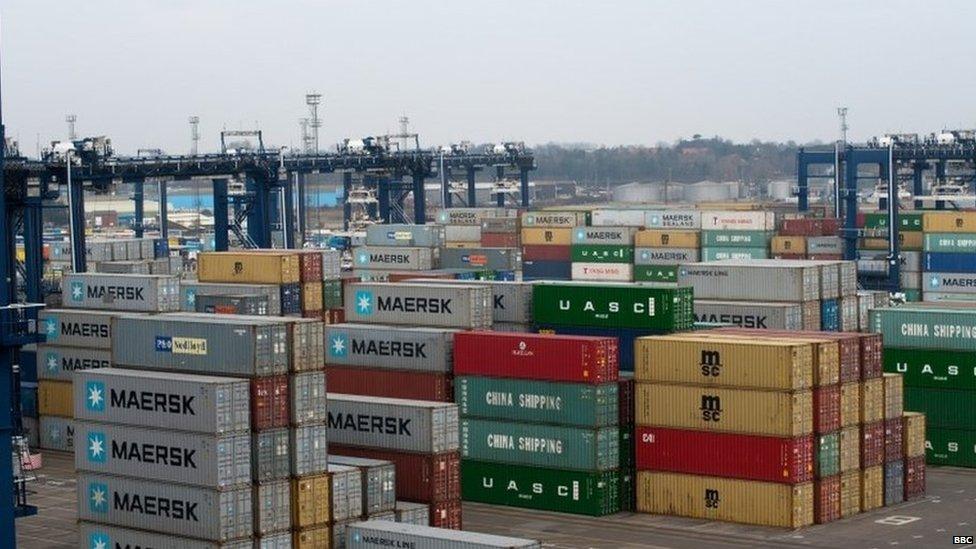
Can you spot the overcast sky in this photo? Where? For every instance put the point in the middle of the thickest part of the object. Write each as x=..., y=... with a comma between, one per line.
x=608, y=72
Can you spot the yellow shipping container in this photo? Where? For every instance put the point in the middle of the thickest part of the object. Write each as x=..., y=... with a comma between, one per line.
x=311, y=500
x=724, y=361
x=872, y=400
x=667, y=239
x=850, y=449
x=913, y=434
x=759, y=412
x=55, y=398
x=893, y=396
x=850, y=404
x=850, y=493
x=312, y=296
x=733, y=500
x=539, y=236
x=872, y=487
x=907, y=241
x=250, y=268
x=316, y=537
x=949, y=222
x=788, y=244
x=826, y=353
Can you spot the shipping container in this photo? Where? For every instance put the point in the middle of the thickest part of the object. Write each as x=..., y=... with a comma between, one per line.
x=893, y=396
x=667, y=239
x=788, y=245
x=850, y=449
x=499, y=240
x=616, y=272
x=270, y=402
x=265, y=267
x=850, y=404
x=511, y=301
x=964, y=283
x=311, y=500
x=96, y=536
x=271, y=455
x=462, y=236
x=347, y=492
x=849, y=349
x=500, y=225
x=481, y=258
x=907, y=221
x=381, y=382
x=306, y=392
x=745, y=281
x=601, y=253
x=626, y=338
x=246, y=304
x=914, y=477
x=545, y=253
x=604, y=235
x=948, y=263
x=309, y=449
x=826, y=454
x=735, y=239
x=392, y=534
x=272, y=507
x=947, y=298
x=190, y=511
x=190, y=289
x=76, y=328
x=60, y=363
x=872, y=444
x=872, y=488
x=394, y=424
x=394, y=257
x=894, y=482
x=894, y=440
x=747, y=501
x=913, y=434
x=120, y=292
x=409, y=512
x=664, y=256
x=378, y=482
x=618, y=217
x=54, y=398
x=850, y=493
x=201, y=404
x=825, y=245
x=548, y=237
x=612, y=306
x=536, y=356
x=390, y=347
x=419, y=477
x=953, y=447
x=568, y=219
x=551, y=446
x=56, y=433
x=717, y=253
x=826, y=499
x=826, y=408
x=945, y=408
x=471, y=215
x=573, y=404
x=872, y=400
x=441, y=305
x=750, y=314
x=950, y=242
x=949, y=222
x=738, y=220
x=547, y=270
x=725, y=410
x=394, y=234
x=672, y=219
x=313, y=537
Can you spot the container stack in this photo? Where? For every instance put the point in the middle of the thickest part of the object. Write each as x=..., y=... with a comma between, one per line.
x=462, y=226
x=807, y=238
x=659, y=252
x=874, y=248
x=603, y=253
x=547, y=242
x=539, y=412
x=950, y=268
x=736, y=234
x=501, y=232
x=278, y=268
x=484, y=263
x=398, y=248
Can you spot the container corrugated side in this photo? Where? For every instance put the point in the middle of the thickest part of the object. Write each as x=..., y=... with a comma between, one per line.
x=249, y=267
x=390, y=347
x=347, y=492
x=531, y=401
x=60, y=363
x=56, y=433
x=612, y=305
x=850, y=404
x=567, y=219
x=672, y=219
x=536, y=356
x=395, y=257
x=736, y=239
x=944, y=408
x=404, y=235
x=552, y=446
x=93, y=535
x=309, y=447
x=604, y=235
x=616, y=272
x=74, y=328
x=54, y=398
x=665, y=256
x=872, y=488
x=949, y=329
x=121, y=292
x=189, y=289
x=745, y=281
x=380, y=382
x=245, y=304
x=481, y=258
x=750, y=314
x=393, y=534
x=511, y=301
x=449, y=306
x=394, y=424
x=409, y=512
x=850, y=493
x=954, y=447
x=419, y=477
x=272, y=507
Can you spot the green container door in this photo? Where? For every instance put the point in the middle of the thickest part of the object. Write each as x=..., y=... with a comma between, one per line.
x=564, y=491
x=599, y=253
x=907, y=221
x=933, y=368
x=541, y=445
x=332, y=294
x=928, y=328
x=613, y=306
x=656, y=273
x=537, y=401
x=950, y=242
x=715, y=253
x=826, y=461
x=943, y=407
x=736, y=239
x=950, y=447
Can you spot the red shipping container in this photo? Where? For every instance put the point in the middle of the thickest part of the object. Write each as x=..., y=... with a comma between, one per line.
x=825, y=257
x=400, y=276
x=849, y=346
x=536, y=356
x=826, y=499
x=269, y=402
x=861, y=219
x=625, y=399
x=893, y=440
x=790, y=256
x=914, y=477
x=446, y=514
x=801, y=227
x=334, y=316
x=500, y=240
x=826, y=409
x=872, y=444
x=310, y=265
x=831, y=226
x=355, y=380
x=536, y=252
x=425, y=478
x=749, y=457
x=871, y=349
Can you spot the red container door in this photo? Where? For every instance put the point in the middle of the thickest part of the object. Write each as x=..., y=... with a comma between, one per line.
x=914, y=477
x=826, y=499
x=446, y=514
x=269, y=402
x=424, y=478
x=354, y=380
x=871, y=366
x=893, y=440
x=536, y=356
x=826, y=409
x=310, y=264
x=872, y=444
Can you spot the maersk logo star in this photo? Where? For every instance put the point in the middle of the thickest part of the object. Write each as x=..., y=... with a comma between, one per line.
x=95, y=396
x=77, y=291
x=934, y=282
x=655, y=220
x=191, y=297
x=98, y=497
x=339, y=346
x=51, y=362
x=98, y=540
x=51, y=327
x=364, y=303
x=54, y=434
x=363, y=258
x=96, y=447
x=580, y=235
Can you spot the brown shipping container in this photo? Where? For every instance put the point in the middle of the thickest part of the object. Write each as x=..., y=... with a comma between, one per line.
x=871, y=349
x=872, y=400
x=745, y=501
x=826, y=352
x=826, y=408
x=913, y=434
x=499, y=240
x=894, y=440
x=811, y=315
x=727, y=410
x=850, y=493
x=445, y=514
x=826, y=499
x=893, y=396
x=872, y=488
x=356, y=380
x=269, y=402
x=315, y=537
x=850, y=449
x=248, y=267
x=55, y=398
x=309, y=263
x=425, y=478
x=914, y=477
x=312, y=296
x=850, y=404
x=311, y=501
x=547, y=236
x=667, y=239
x=848, y=350
x=546, y=253
x=872, y=444
x=788, y=245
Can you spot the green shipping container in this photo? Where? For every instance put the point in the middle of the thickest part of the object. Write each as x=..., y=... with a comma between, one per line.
x=612, y=305
x=826, y=462
x=912, y=295
x=907, y=221
x=627, y=457
x=941, y=329
x=332, y=294
x=537, y=401
x=656, y=273
x=565, y=491
x=950, y=242
x=933, y=368
x=600, y=253
x=736, y=239
x=715, y=253
x=950, y=447
x=943, y=407
x=541, y=445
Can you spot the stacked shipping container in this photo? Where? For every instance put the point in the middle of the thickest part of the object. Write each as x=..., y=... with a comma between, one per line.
x=950, y=245
x=603, y=253
x=547, y=244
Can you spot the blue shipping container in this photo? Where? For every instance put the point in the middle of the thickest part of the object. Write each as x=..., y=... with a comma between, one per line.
x=28, y=366
x=625, y=339
x=291, y=299
x=947, y=262
x=547, y=270
x=160, y=248
x=829, y=321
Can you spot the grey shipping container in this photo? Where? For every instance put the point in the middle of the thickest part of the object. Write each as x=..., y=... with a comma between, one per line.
x=137, y=266
x=309, y=449
x=383, y=515
x=96, y=251
x=472, y=215
x=825, y=245
x=379, y=482
x=462, y=233
x=617, y=236
x=390, y=347
x=952, y=283
x=120, y=250
x=191, y=511
x=218, y=345
x=375, y=533
x=305, y=345
x=59, y=362
x=449, y=306
x=503, y=225
x=201, y=404
x=280, y=540
x=199, y=459
x=57, y=433
x=665, y=256
x=867, y=300
x=740, y=280
x=121, y=292
x=306, y=391
x=189, y=289
x=539, y=445
x=750, y=314
x=244, y=304
x=77, y=328
x=497, y=259
x=402, y=234
x=511, y=301
x=849, y=318
x=270, y=455
x=272, y=507
x=347, y=492
x=409, y=512
x=97, y=536
x=393, y=424
x=395, y=258
x=331, y=264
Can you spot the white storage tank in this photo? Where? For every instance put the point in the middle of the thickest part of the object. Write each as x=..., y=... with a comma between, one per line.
x=707, y=191
x=639, y=192
x=779, y=190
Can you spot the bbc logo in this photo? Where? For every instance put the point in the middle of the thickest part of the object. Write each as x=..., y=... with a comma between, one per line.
x=963, y=540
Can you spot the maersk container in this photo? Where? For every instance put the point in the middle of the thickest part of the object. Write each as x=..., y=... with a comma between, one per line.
x=244, y=304
x=183, y=402
x=405, y=235
x=190, y=289
x=772, y=459
x=925, y=328
x=665, y=256
x=58, y=362
x=934, y=368
x=568, y=219
x=948, y=262
x=347, y=492
x=615, y=272
x=394, y=534
x=408, y=512
x=947, y=298
x=394, y=424
x=736, y=239
x=558, y=447
x=471, y=215
x=449, y=306
x=213, y=461
x=96, y=536
x=750, y=314
x=138, y=266
x=270, y=455
x=944, y=408
x=561, y=490
x=744, y=281
x=191, y=511
x=536, y=356
x=395, y=257
x=617, y=217
x=501, y=259
x=222, y=344
x=56, y=433
x=121, y=292
x=306, y=391
x=272, y=507
x=309, y=449
x=511, y=301
x=419, y=477
x=390, y=347
x=950, y=282
x=529, y=401
x=74, y=328
x=603, y=235
x=378, y=482
x=610, y=305
x=672, y=219
x=738, y=220
x=950, y=242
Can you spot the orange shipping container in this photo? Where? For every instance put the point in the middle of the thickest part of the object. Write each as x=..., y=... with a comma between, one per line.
x=316, y=537
x=248, y=267
x=872, y=487
x=913, y=434
x=826, y=351
x=547, y=236
x=788, y=244
x=55, y=398
x=312, y=296
x=893, y=396
x=667, y=239
x=311, y=500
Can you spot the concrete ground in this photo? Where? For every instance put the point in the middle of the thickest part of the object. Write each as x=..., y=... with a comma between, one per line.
x=948, y=510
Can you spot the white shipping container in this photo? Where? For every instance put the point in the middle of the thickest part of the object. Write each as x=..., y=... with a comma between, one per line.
x=449, y=306
x=462, y=233
x=97, y=536
x=471, y=216
x=309, y=449
x=615, y=236
x=272, y=507
x=77, y=328
x=378, y=533
x=331, y=264
x=393, y=424
x=57, y=433
x=910, y=280
x=390, y=347
x=60, y=363
x=379, y=482
x=738, y=220
x=750, y=314
x=741, y=280
x=409, y=512
x=618, y=272
x=947, y=297
x=672, y=219
x=511, y=301
x=306, y=391
x=270, y=455
x=347, y=492
x=617, y=217
x=950, y=283
x=121, y=292
x=395, y=258
x=666, y=256
x=189, y=289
